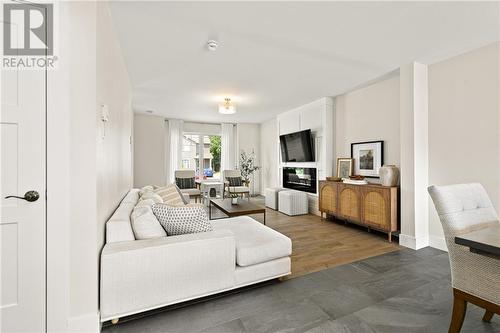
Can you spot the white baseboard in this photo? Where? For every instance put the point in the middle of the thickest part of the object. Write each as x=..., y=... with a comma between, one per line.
x=412, y=242
x=438, y=243
x=88, y=323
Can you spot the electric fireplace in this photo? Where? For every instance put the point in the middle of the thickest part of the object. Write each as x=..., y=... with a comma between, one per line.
x=301, y=179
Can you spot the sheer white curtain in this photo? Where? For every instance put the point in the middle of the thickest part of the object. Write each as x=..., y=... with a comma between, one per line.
x=227, y=160
x=175, y=128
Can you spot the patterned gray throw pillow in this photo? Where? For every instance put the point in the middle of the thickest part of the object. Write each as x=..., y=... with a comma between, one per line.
x=180, y=220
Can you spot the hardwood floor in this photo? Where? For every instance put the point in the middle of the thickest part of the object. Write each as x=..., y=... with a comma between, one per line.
x=320, y=244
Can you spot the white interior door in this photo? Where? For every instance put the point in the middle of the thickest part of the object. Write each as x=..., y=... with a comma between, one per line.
x=22, y=223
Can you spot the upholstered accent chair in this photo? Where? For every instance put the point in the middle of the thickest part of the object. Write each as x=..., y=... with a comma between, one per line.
x=192, y=191
x=464, y=208
x=238, y=190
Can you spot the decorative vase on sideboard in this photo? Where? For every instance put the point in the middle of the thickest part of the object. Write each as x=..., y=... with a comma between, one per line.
x=389, y=175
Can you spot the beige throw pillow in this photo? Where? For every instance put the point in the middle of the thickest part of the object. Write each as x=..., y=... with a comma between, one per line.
x=170, y=195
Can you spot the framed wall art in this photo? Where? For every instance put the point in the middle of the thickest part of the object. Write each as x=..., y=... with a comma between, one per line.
x=368, y=158
x=344, y=167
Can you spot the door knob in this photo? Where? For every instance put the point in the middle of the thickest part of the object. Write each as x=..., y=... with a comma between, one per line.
x=28, y=196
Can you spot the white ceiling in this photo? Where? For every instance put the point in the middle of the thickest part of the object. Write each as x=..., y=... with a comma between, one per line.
x=276, y=56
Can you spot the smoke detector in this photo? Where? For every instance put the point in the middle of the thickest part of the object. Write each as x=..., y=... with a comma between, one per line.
x=212, y=45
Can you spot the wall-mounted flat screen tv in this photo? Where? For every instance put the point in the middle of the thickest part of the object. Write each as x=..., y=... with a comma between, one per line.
x=297, y=147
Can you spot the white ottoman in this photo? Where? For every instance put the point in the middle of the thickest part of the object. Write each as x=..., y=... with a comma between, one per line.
x=293, y=202
x=272, y=197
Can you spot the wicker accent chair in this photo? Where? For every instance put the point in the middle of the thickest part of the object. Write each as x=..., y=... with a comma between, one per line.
x=238, y=190
x=463, y=208
x=192, y=192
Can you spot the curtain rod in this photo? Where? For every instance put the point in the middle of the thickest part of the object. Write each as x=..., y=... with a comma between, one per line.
x=199, y=123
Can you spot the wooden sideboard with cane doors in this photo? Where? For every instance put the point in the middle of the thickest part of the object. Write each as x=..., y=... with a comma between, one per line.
x=373, y=206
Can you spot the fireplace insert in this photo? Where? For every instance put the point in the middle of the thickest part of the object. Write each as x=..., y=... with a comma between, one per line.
x=301, y=179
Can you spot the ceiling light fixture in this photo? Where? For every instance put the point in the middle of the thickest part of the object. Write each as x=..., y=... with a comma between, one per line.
x=227, y=107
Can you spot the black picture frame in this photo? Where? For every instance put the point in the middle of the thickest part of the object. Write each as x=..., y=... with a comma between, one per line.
x=356, y=162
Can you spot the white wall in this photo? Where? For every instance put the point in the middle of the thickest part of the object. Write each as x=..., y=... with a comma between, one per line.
x=317, y=116
x=83, y=251
x=462, y=138
x=150, y=135
x=368, y=114
x=202, y=128
x=72, y=286
x=114, y=148
x=90, y=71
x=269, y=154
x=248, y=140
x=464, y=125
x=414, y=150
x=365, y=114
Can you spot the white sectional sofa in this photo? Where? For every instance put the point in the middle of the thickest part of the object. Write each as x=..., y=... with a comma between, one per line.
x=139, y=275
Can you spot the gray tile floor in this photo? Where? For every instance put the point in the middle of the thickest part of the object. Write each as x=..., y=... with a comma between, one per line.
x=403, y=291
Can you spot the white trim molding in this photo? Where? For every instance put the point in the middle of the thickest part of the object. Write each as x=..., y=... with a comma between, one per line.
x=87, y=323
x=437, y=243
x=412, y=242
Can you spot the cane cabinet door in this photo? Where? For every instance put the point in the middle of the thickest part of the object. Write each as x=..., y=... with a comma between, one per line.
x=376, y=207
x=349, y=201
x=328, y=198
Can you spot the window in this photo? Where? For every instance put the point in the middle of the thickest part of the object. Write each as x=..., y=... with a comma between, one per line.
x=189, y=152
x=202, y=154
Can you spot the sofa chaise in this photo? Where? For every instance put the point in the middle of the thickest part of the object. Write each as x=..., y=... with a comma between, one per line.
x=140, y=275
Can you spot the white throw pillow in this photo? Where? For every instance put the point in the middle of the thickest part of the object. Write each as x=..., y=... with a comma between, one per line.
x=150, y=195
x=145, y=203
x=147, y=188
x=145, y=224
x=180, y=220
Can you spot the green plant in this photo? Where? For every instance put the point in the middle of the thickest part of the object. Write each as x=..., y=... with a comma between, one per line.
x=215, y=151
x=247, y=166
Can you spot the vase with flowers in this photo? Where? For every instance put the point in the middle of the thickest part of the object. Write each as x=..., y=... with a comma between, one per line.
x=234, y=199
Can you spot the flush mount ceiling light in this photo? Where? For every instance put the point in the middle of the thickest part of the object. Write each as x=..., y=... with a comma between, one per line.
x=227, y=107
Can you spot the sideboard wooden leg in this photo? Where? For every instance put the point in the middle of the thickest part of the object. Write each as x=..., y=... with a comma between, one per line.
x=389, y=237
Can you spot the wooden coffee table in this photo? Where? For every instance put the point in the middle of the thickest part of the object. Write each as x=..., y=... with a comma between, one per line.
x=242, y=208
